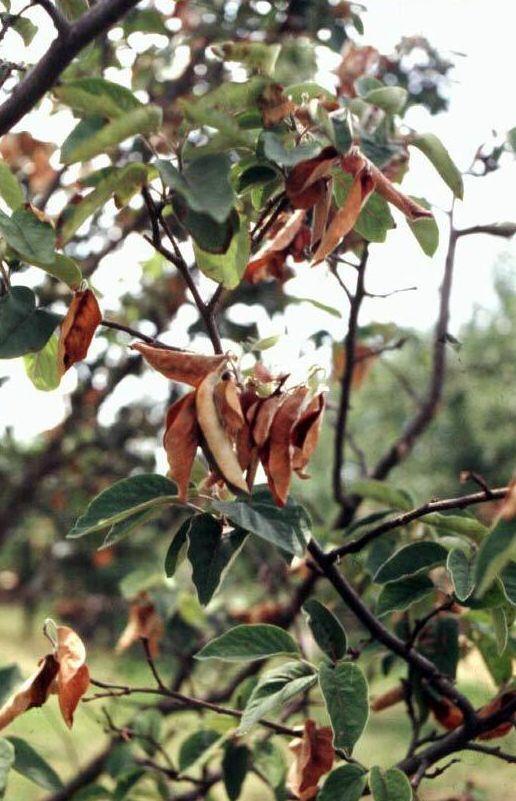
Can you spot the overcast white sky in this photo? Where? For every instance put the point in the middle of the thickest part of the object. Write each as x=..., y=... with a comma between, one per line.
x=481, y=101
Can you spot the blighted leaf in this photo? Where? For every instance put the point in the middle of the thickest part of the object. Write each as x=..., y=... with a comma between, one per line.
x=124, y=499
x=399, y=595
x=10, y=189
x=345, y=783
x=188, y=368
x=90, y=96
x=73, y=677
x=32, y=693
x=215, y=438
x=33, y=239
x=326, y=629
x=270, y=258
x=6, y=763
x=375, y=218
x=143, y=121
x=144, y=623
x=274, y=689
x=411, y=559
x=204, y=185
x=30, y=764
x=314, y=756
x=210, y=553
x=249, y=643
x=287, y=527
x=78, y=328
x=23, y=327
x=181, y=439
x=345, y=691
x=305, y=434
x=228, y=268
x=42, y=367
x=461, y=566
x=277, y=462
x=235, y=765
x=434, y=150
x=389, y=785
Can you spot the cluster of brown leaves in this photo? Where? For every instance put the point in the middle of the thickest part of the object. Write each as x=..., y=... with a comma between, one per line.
x=356, y=61
x=314, y=756
x=25, y=154
x=62, y=672
x=77, y=329
x=144, y=623
x=235, y=426
x=451, y=717
x=309, y=185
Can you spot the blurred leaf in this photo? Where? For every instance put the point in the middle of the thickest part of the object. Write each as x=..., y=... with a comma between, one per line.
x=25, y=28
x=498, y=665
x=382, y=492
x=143, y=120
x=204, y=185
x=508, y=577
x=456, y=524
x=436, y=153
x=10, y=677
x=10, y=189
x=30, y=764
x=501, y=630
x=496, y=551
x=235, y=765
x=6, y=762
x=389, y=98
x=247, y=643
x=96, y=96
x=42, y=367
x=23, y=327
x=269, y=760
x=275, y=150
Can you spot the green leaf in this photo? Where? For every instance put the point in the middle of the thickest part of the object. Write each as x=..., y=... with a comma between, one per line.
x=204, y=185
x=345, y=692
x=345, y=783
x=178, y=549
x=123, y=528
x=96, y=96
x=121, y=183
x=379, y=491
x=227, y=269
x=72, y=9
x=146, y=20
x=496, y=551
x=256, y=56
x=23, y=327
x=275, y=150
x=10, y=189
x=269, y=760
x=274, y=689
x=399, y=595
x=10, y=677
x=82, y=132
x=195, y=745
x=456, y=524
x=232, y=96
x=316, y=304
x=249, y=643
x=389, y=785
x=31, y=238
x=498, y=665
x=500, y=628
x=235, y=765
x=6, y=763
x=411, y=559
x=307, y=90
x=436, y=153
x=30, y=764
x=287, y=527
x=126, y=782
x=460, y=566
x=63, y=268
x=508, y=577
x=494, y=596
x=42, y=367
x=255, y=175
x=25, y=28
x=143, y=120
x=209, y=235
x=124, y=499
x=389, y=98
x=326, y=629
x=425, y=230
x=210, y=554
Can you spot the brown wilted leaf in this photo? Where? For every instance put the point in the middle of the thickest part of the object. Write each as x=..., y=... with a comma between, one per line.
x=32, y=693
x=216, y=442
x=306, y=182
x=73, y=677
x=274, y=105
x=22, y=152
x=271, y=257
x=365, y=358
x=354, y=162
x=262, y=422
x=450, y=716
x=181, y=439
x=356, y=61
x=144, y=623
x=346, y=216
x=314, y=756
x=305, y=434
x=78, y=328
x=321, y=214
x=188, y=368
x=277, y=461
x=227, y=401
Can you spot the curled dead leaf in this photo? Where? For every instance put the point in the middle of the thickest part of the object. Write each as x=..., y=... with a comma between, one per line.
x=77, y=329
x=227, y=401
x=32, y=693
x=277, y=460
x=305, y=434
x=144, y=623
x=289, y=237
x=188, y=368
x=181, y=439
x=305, y=181
x=314, y=756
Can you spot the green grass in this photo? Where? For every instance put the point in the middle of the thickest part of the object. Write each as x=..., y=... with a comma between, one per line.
x=382, y=743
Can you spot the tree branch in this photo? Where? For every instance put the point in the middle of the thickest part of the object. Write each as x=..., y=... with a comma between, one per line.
x=59, y=55
x=61, y=23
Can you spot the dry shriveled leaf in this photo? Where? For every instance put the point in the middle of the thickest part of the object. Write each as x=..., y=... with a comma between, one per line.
x=314, y=756
x=227, y=401
x=290, y=237
x=306, y=182
x=305, y=434
x=144, y=623
x=32, y=693
x=321, y=214
x=73, y=677
x=188, y=368
x=263, y=418
x=356, y=61
x=78, y=328
x=278, y=459
x=181, y=439
x=365, y=358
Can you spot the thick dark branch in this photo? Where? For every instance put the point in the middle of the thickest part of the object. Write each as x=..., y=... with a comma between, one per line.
x=346, y=383
x=59, y=55
x=382, y=634
x=407, y=517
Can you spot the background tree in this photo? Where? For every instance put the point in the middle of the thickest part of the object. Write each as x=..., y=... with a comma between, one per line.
x=233, y=169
